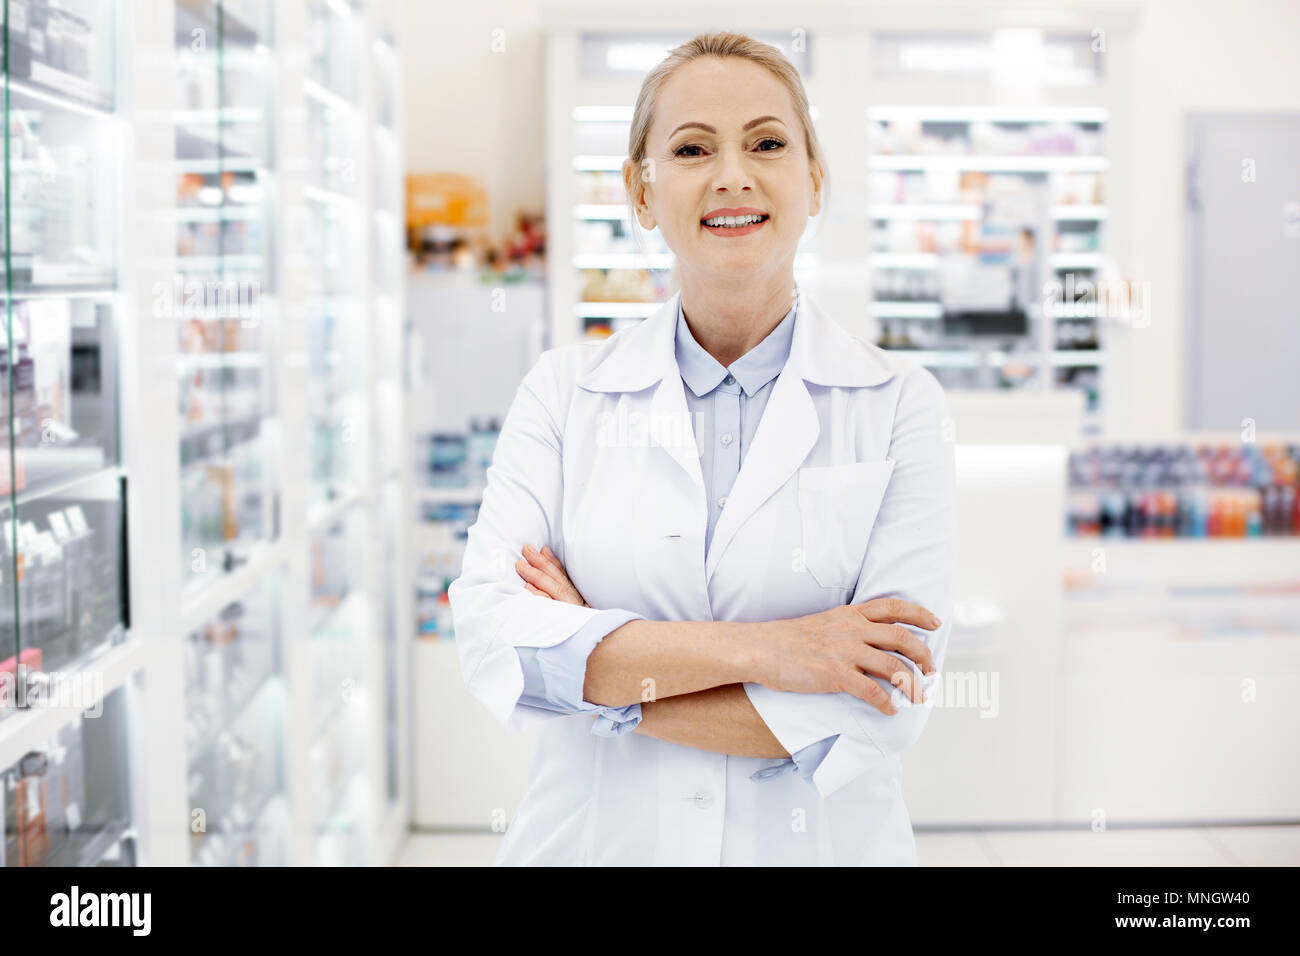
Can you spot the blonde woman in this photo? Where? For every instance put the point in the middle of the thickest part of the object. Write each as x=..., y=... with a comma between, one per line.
x=712, y=547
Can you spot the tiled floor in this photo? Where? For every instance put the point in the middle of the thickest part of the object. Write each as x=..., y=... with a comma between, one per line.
x=1184, y=846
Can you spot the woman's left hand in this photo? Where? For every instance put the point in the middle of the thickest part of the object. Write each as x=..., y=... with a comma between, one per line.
x=543, y=574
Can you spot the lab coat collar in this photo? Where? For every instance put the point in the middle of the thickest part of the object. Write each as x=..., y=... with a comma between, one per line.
x=822, y=352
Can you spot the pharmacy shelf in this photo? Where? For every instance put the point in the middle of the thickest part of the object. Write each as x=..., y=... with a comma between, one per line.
x=1226, y=562
x=29, y=729
x=269, y=137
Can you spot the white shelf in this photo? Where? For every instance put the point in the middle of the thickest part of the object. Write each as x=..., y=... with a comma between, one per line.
x=615, y=310
x=1070, y=212
x=990, y=114
x=623, y=260
x=27, y=730
x=903, y=260
x=593, y=211
x=906, y=310
x=992, y=164
x=925, y=211
x=469, y=495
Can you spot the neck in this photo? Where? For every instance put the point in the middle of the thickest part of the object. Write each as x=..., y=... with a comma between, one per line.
x=728, y=321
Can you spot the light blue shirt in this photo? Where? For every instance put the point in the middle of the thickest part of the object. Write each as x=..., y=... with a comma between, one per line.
x=725, y=404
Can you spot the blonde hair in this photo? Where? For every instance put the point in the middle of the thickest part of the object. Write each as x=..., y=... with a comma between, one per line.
x=719, y=45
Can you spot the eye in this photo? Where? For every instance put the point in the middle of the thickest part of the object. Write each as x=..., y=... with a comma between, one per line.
x=680, y=151
x=770, y=139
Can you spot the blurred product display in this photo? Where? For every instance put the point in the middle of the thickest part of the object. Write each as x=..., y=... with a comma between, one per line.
x=441, y=539
x=451, y=473
x=458, y=459
x=1185, y=491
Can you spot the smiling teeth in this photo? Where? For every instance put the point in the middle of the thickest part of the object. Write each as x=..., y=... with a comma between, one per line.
x=732, y=222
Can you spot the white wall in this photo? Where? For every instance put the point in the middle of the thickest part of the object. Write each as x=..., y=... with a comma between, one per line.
x=477, y=111
x=1190, y=55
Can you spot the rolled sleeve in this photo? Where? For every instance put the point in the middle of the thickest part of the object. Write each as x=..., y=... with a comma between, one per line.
x=493, y=614
x=554, y=676
x=910, y=555
x=803, y=762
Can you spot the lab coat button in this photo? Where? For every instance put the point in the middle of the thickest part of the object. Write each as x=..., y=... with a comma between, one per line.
x=703, y=799
x=726, y=439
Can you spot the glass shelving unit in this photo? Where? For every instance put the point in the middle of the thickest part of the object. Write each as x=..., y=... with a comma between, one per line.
x=337, y=628
x=262, y=444
x=987, y=223
x=236, y=700
x=64, y=778
x=224, y=302
x=336, y=230
x=623, y=272
x=66, y=801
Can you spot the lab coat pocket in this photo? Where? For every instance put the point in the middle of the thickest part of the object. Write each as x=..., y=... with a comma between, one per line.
x=837, y=509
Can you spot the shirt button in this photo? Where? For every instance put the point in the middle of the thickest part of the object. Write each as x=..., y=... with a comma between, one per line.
x=722, y=502
x=729, y=380
x=703, y=799
x=726, y=439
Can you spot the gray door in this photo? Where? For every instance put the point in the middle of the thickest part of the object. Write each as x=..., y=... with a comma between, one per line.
x=1242, y=271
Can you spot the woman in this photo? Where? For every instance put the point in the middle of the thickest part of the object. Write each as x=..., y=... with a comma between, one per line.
x=735, y=520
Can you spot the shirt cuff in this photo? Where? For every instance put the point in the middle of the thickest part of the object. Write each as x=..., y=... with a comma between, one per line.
x=554, y=676
x=803, y=761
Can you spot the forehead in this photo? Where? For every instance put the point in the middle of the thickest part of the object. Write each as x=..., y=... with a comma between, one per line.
x=724, y=92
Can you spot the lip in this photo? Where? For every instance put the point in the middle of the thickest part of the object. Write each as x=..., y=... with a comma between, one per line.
x=735, y=233
x=739, y=211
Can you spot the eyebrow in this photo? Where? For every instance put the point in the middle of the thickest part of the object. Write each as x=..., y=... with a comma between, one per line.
x=709, y=129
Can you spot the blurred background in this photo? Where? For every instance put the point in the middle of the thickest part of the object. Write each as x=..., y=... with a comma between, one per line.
x=273, y=272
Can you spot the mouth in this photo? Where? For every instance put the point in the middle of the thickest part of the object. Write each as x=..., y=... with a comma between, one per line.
x=737, y=225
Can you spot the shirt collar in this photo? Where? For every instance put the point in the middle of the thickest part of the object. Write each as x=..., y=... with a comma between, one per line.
x=703, y=373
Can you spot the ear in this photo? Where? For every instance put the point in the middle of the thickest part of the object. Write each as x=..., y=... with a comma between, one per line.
x=636, y=188
x=818, y=184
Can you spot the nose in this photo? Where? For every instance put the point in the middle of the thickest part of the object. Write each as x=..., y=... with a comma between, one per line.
x=732, y=171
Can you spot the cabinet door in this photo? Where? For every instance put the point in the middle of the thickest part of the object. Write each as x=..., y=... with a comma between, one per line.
x=1242, y=256
x=66, y=802
x=333, y=194
x=235, y=702
x=62, y=578
x=224, y=298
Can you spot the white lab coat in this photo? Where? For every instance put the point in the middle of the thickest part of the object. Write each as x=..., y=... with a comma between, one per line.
x=846, y=494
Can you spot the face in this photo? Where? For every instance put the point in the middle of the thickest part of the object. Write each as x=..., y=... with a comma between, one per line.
x=725, y=142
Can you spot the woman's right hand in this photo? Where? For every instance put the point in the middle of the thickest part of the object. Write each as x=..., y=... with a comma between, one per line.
x=843, y=648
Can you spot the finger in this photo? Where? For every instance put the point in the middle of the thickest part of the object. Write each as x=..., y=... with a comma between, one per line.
x=538, y=579
x=892, y=637
x=535, y=560
x=864, y=688
x=887, y=666
x=537, y=591
x=897, y=611
x=554, y=566
x=558, y=590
